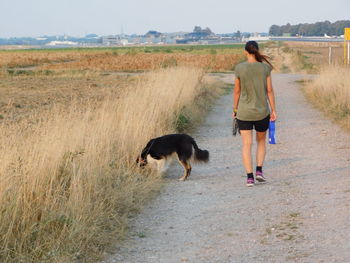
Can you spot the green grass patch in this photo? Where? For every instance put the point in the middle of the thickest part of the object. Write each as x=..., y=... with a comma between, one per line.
x=294, y=215
x=18, y=72
x=303, y=62
x=141, y=234
x=183, y=122
x=285, y=69
x=169, y=62
x=303, y=81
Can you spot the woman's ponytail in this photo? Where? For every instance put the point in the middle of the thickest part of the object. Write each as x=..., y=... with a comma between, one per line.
x=252, y=47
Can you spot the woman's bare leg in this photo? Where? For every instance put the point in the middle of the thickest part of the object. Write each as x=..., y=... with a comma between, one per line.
x=247, y=150
x=261, y=148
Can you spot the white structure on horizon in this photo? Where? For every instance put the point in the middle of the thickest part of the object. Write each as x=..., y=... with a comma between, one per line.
x=256, y=37
x=259, y=38
x=62, y=43
x=124, y=42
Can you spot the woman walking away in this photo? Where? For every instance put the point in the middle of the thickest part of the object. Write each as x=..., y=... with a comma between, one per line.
x=252, y=96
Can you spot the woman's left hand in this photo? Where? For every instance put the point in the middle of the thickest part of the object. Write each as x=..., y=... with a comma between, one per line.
x=273, y=116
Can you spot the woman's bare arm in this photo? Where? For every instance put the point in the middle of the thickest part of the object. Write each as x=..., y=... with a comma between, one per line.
x=271, y=98
x=236, y=95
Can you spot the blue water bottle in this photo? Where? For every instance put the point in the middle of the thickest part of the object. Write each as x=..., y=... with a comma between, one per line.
x=272, y=130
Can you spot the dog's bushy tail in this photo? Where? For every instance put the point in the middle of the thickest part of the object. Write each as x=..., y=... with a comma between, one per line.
x=200, y=155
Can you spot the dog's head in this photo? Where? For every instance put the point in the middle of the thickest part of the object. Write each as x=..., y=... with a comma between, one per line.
x=141, y=161
x=142, y=158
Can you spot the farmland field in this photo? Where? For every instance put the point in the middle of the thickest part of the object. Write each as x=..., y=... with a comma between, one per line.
x=71, y=126
x=210, y=58
x=35, y=80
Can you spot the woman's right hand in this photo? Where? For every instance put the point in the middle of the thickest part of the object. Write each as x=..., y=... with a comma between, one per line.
x=273, y=116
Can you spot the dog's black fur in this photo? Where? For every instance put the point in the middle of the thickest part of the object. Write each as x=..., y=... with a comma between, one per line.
x=181, y=144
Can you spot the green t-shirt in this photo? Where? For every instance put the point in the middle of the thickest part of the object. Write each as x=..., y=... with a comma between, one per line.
x=253, y=104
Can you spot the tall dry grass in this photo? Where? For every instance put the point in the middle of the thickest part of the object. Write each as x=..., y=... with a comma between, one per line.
x=68, y=182
x=330, y=91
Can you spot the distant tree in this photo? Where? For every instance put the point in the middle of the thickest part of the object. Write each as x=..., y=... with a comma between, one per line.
x=287, y=28
x=199, y=33
x=316, y=29
x=338, y=27
x=275, y=30
x=326, y=28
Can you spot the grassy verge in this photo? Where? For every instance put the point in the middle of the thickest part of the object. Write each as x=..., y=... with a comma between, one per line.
x=330, y=92
x=193, y=114
x=302, y=62
x=296, y=61
x=329, y=89
x=69, y=182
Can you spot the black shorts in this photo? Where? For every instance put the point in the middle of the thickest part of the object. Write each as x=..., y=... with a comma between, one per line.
x=259, y=126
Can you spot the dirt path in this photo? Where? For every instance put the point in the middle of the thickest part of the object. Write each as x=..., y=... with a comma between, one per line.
x=300, y=215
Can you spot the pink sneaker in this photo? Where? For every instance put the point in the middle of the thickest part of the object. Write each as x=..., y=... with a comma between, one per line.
x=260, y=177
x=250, y=182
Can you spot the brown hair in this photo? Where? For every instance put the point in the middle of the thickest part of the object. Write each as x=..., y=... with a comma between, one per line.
x=252, y=47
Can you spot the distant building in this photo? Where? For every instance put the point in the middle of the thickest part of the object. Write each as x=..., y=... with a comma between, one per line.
x=153, y=34
x=111, y=40
x=124, y=42
x=199, y=33
x=256, y=37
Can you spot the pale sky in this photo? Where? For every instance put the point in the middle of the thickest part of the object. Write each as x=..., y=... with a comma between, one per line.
x=103, y=17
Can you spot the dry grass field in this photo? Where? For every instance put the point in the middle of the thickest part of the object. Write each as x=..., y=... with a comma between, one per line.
x=26, y=94
x=24, y=58
x=330, y=91
x=69, y=138
x=210, y=58
x=144, y=61
x=303, y=57
x=312, y=57
x=317, y=52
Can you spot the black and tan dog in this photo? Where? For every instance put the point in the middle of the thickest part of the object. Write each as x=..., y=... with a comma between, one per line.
x=161, y=150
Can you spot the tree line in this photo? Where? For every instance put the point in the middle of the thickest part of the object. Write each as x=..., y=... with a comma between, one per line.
x=315, y=29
